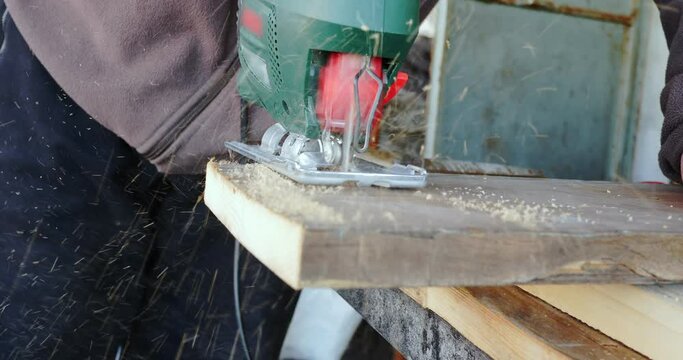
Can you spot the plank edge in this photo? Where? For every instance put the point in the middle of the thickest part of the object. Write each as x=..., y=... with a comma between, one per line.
x=249, y=230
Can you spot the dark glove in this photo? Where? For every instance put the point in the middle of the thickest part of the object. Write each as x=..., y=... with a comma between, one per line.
x=672, y=96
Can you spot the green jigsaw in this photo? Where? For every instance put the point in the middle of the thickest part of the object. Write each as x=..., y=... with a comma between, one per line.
x=324, y=70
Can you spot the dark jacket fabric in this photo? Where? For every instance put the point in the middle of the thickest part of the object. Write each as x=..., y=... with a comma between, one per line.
x=101, y=254
x=671, y=12
x=158, y=73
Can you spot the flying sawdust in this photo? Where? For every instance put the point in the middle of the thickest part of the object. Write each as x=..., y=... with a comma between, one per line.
x=402, y=133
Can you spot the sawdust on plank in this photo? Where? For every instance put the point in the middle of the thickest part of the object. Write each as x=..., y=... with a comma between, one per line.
x=280, y=194
x=510, y=210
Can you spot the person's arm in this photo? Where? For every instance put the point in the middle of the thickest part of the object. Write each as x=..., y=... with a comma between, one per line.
x=671, y=153
x=158, y=73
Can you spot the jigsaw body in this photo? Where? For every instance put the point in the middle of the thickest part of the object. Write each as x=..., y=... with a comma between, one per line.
x=324, y=70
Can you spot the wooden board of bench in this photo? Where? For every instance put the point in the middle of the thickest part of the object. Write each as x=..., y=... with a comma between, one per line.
x=508, y=323
x=648, y=319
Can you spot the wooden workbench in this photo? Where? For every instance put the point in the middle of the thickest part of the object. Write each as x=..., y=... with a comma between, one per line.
x=531, y=322
x=474, y=231
x=480, y=323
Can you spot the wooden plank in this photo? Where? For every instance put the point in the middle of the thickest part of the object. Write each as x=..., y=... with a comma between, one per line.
x=507, y=323
x=459, y=231
x=647, y=318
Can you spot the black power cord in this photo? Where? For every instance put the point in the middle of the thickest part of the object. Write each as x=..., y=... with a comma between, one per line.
x=238, y=308
x=244, y=135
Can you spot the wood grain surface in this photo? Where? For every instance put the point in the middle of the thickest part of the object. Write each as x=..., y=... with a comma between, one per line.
x=458, y=231
x=508, y=323
x=649, y=319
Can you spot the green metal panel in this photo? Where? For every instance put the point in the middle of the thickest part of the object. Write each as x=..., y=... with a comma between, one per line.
x=539, y=89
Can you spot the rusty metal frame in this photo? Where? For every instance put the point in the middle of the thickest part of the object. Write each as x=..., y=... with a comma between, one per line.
x=550, y=6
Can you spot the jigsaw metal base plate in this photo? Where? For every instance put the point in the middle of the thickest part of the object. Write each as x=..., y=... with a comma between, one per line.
x=365, y=173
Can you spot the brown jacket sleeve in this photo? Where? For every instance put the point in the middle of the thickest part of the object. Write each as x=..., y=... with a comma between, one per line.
x=671, y=12
x=158, y=73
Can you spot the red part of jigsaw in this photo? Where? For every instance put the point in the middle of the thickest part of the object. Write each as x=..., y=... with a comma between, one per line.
x=336, y=100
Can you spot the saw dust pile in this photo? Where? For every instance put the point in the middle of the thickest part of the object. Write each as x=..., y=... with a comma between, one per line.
x=280, y=194
x=514, y=211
